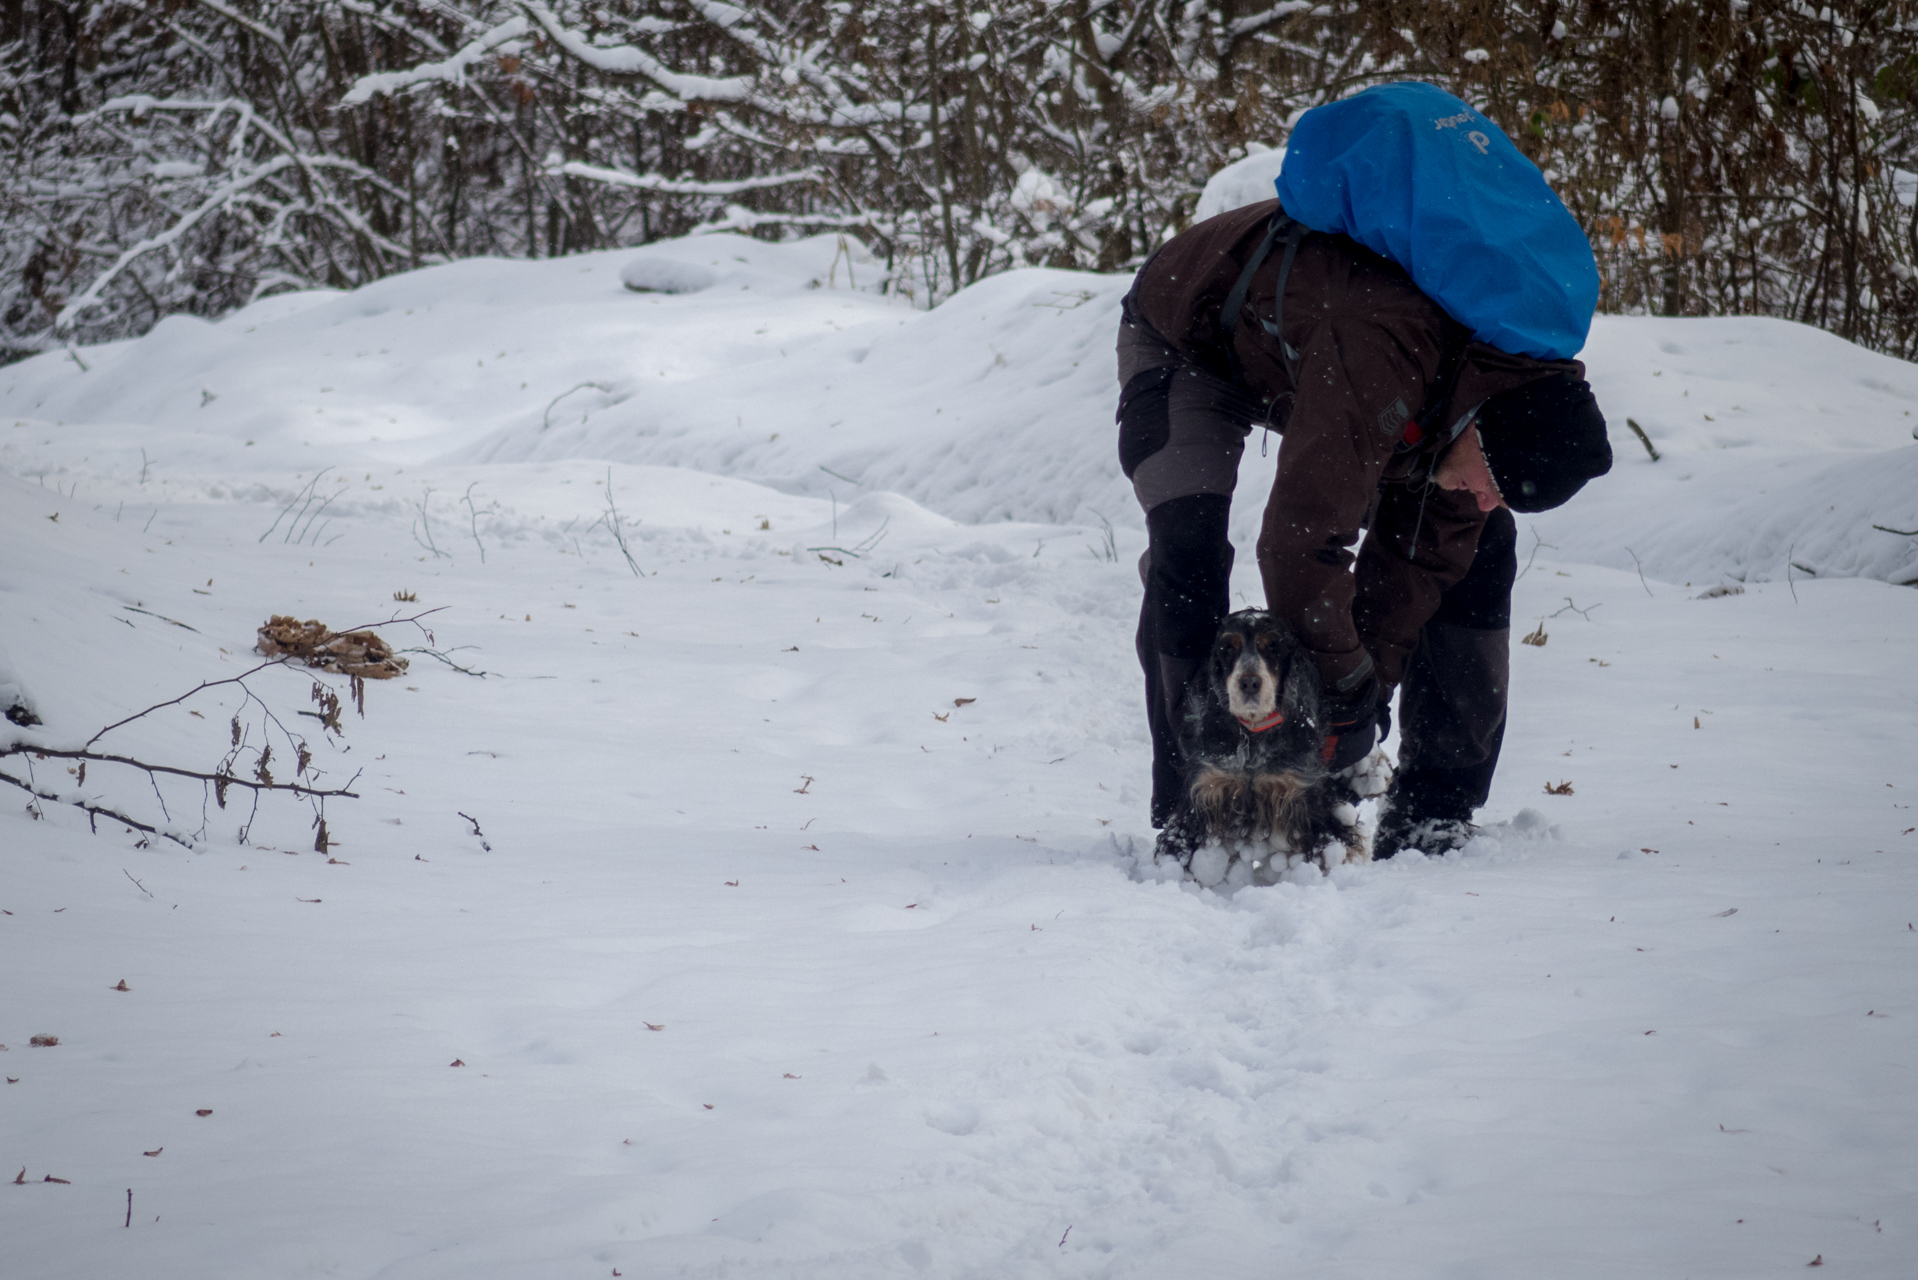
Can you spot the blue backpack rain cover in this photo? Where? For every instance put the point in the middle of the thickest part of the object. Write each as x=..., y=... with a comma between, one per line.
x=1413, y=173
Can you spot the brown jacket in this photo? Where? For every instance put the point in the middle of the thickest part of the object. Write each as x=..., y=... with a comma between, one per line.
x=1371, y=347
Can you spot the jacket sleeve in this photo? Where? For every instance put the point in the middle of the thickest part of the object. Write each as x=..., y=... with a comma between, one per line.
x=1421, y=543
x=1358, y=383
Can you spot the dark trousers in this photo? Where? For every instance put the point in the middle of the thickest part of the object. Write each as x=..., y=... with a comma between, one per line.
x=1181, y=434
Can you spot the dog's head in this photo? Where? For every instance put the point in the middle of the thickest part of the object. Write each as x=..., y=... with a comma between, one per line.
x=1261, y=674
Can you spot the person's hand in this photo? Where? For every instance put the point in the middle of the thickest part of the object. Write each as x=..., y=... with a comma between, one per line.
x=1352, y=725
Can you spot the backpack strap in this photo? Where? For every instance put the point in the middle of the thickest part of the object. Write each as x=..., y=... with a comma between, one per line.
x=1421, y=428
x=1282, y=227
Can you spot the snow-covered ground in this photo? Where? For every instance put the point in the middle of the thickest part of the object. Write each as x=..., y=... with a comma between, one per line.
x=806, y=935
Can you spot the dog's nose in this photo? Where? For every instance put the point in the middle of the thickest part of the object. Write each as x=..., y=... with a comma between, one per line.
x=1250, y=685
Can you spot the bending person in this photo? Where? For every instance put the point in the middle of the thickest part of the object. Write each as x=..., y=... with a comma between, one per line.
x=1395, y=423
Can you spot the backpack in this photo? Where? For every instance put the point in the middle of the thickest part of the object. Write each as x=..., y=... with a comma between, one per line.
x=1414, y=174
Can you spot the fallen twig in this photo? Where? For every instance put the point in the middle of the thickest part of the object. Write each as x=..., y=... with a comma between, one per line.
x=245, y=766
x=95, y=810
x=222, y=779
x=477, y=833
x=441, y=655
x=1585, y=613
x=161, y=616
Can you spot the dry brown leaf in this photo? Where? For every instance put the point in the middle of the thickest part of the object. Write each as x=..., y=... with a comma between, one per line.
x=1562, y=789
x=357, y=653
x=456, y=1063
x=65, y=1182
x=655, y=1026
x=962, y=702
x=44, y=1042
x=203, y=1112
x=121, y=985
x=156, y=1151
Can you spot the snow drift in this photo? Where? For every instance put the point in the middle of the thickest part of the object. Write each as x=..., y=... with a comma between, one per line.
x=1777, y=441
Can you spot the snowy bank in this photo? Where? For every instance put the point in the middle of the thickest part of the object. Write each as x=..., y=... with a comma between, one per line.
x=1777, y=440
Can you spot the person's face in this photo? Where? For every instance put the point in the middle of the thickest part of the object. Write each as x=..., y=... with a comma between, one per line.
x=1463, y=467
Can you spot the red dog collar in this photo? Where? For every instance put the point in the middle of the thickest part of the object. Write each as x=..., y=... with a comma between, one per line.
x=1277, y=717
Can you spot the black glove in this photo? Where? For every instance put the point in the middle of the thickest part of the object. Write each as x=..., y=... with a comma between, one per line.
x=1352, y=724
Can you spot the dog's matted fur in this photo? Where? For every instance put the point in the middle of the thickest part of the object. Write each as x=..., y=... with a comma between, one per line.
x=1253, y=748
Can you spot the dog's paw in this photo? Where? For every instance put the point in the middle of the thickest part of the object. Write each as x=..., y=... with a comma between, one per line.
x=1370, y=777
x=1353, y=849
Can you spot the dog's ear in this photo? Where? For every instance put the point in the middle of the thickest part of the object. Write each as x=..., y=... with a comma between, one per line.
x=1299, y=687
x=1226, y=650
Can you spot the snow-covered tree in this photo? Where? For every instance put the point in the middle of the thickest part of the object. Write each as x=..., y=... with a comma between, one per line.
x=1750, y=156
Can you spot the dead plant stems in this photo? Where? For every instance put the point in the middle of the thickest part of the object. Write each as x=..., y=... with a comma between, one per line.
x=611, y=520
x=1642, y=437
x=546, y=419
x=473, y=515
x=1641, y=572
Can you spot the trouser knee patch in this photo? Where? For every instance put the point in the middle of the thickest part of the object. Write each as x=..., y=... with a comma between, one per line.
x=1145, y=422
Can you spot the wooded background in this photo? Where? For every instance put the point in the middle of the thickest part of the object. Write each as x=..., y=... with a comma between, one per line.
x=1726, y=156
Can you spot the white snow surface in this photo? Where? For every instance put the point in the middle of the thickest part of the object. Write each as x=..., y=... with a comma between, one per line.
x=776, y=958
x=1245, y=181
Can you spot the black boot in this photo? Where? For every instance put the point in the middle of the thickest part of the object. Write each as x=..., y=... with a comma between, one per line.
x=1433, y=821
